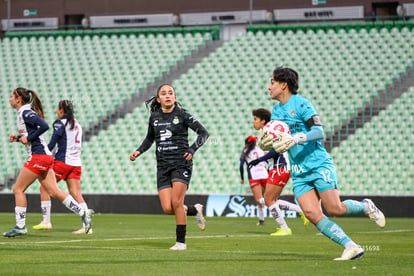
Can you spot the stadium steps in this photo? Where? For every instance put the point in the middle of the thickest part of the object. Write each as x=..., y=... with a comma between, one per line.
x=174, y=72
x=370, y=109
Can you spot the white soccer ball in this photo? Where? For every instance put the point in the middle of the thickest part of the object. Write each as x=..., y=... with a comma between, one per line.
x=273, y=127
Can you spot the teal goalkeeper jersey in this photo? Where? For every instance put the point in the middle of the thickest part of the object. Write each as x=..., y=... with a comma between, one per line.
x=307, y=156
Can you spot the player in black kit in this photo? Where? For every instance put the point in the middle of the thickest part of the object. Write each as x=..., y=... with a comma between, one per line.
x=168, y=127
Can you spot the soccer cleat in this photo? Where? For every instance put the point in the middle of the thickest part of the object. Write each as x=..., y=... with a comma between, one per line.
x=179, y=246
x=201, y=222
x=305, y=219
x=374, y=213
x=16, y=231
x=261, y=222
x=82, y=231
x=43, y=226
x=282, y=232
x=87, y=219
x=351, y=254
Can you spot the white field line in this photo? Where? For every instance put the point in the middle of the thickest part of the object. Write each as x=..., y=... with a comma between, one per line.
x=8, y=242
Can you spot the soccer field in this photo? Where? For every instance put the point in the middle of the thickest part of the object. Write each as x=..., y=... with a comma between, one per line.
x=138, y=245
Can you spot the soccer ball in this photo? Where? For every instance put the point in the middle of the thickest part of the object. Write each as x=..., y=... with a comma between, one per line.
x=274, y=126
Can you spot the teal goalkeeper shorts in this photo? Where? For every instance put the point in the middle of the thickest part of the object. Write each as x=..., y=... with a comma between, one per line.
x=321, y=179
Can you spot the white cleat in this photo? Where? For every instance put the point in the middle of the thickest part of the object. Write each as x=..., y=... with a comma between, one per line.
x=179, y=246
x=87, y=219
x=374, y=213
x=201, y=222
x=351, y=254
x=82, y=231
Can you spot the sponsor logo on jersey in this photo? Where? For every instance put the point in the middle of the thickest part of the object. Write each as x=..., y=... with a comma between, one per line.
x=167, y=148
x=292, y=113
x=175, y=120
x=296, y=168
x=165, y=134
x=156, y=123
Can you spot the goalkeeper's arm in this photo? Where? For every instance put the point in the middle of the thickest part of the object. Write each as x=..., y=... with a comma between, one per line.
x=315, y=133
x=287, y=141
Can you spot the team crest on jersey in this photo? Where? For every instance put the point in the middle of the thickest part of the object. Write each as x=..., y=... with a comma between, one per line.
x=292, y=113
x=175, y=120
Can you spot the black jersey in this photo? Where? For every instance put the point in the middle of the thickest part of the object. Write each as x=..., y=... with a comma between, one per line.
x=170, y=133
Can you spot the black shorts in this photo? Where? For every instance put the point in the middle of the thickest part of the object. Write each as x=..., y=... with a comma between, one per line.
x=166, y=176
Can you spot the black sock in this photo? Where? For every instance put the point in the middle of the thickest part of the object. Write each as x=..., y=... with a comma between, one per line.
x=180, y=231
x=191, y=210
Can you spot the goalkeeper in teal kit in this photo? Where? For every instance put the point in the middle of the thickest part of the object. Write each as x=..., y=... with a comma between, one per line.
x=313, y=172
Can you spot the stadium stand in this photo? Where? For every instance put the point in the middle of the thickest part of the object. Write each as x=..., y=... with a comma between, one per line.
x=377, y=159
x=341, y=67
x=97, y=71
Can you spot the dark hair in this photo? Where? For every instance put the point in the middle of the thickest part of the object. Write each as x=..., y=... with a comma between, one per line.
x=152, y=102
x=249, y=145
x=290, y=76
x=262, y=114
x=68, y=113
x=30, y=97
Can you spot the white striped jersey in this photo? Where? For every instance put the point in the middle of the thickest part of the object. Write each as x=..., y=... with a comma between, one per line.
x=68, y=142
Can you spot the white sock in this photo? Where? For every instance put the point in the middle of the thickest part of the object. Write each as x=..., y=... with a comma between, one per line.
x=261, y=201
x=261, y=213
x=277, y=215
x=46, y=206
x=72, y=205
x=20, y=216
x=85, y=207
x=288, y=206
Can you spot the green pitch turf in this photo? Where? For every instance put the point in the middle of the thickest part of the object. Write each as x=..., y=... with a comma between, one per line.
x=138, y=245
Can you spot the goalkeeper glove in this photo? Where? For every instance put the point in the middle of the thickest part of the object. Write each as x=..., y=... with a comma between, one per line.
x=264, y=140
x=285, y=141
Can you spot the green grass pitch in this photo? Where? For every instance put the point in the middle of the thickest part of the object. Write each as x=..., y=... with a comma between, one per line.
x=138, y=245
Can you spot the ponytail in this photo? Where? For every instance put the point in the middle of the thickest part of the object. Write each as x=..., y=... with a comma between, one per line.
x=68, y=113
x=153, y=103
x=249, y=144
x=37, y=104
x=30, y=97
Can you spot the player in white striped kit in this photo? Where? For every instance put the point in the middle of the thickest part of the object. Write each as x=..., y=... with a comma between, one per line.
x=257, y=175
x=67, y=138
x=31, y=126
